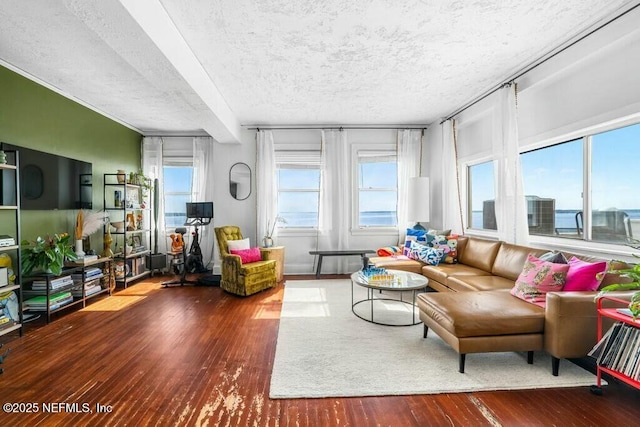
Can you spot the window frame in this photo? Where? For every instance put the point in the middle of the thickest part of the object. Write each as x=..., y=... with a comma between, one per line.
x=586, y=135
x=298, y=159
x=183, y=162
x=386, y=149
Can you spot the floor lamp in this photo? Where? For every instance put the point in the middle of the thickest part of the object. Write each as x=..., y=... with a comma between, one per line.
x=418, y=206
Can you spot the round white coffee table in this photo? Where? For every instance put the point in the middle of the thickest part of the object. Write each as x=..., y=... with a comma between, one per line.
x=402, y=281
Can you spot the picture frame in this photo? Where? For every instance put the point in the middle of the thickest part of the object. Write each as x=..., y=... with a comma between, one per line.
x=137, y=240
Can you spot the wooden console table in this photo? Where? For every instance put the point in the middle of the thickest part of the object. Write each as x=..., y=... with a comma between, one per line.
x=346, y=252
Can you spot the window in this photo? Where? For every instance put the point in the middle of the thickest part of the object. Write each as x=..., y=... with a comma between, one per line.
x=482, y=213
x=582, y=189
x=298, y=187
x=377, y=189
x=177, y=192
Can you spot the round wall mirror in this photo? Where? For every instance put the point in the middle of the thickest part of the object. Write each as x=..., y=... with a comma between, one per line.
x=240, y=181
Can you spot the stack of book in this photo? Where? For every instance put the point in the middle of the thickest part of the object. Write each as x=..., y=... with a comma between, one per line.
x=91, y=279
x=619, y=350
x=89, y=275
x=54, y=284
x=58, y=300
x=138, y=249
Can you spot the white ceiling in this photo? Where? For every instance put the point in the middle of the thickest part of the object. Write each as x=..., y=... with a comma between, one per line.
x=201, y=66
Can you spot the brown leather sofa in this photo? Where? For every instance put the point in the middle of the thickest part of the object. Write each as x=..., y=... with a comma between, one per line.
x=474, y=312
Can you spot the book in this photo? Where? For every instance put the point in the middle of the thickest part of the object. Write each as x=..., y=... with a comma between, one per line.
x=41, y=300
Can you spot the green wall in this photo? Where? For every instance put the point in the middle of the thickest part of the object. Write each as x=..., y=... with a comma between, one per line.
x=35, y=117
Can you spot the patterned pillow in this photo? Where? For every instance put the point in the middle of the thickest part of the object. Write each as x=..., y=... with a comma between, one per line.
x=449, y=245
x=389, y=251
x=537, y=278
x=426, y=254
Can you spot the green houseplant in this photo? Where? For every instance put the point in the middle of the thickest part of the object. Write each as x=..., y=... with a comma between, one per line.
x=47, y=254
x=632, y=273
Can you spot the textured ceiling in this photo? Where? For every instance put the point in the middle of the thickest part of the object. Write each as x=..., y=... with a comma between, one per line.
x=175, y=66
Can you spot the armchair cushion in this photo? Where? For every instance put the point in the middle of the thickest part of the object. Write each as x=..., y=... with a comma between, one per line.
x=248, y=255
x=237, y=245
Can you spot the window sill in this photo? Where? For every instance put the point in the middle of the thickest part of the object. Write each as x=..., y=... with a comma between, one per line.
x=377, y=231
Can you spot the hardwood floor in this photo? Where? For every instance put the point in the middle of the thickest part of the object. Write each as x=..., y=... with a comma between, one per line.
x=199, y=356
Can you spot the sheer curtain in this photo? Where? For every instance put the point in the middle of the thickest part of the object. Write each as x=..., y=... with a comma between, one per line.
x=409, y=152
x=334, y=196
x=267, y=191
x=152, y=164
x=202, y=191
x=510, y=204
x=451, y=198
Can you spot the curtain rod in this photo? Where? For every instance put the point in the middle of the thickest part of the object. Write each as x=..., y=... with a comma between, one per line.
x=416, y=127
x=534, y=65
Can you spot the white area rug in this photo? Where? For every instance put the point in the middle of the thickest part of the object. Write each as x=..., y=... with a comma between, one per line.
x=324, y=350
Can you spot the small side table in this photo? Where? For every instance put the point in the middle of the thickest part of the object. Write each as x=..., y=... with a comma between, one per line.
x=276, y=253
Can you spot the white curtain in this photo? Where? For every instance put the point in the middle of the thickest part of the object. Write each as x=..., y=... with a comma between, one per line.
x=202, y=191
x=152, y=166
x=510, y=204
x=451, y=199
x=266, y=186
x=408, y=152
x=334, y=196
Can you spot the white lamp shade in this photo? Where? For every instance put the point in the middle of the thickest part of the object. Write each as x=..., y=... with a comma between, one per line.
x=418, y=206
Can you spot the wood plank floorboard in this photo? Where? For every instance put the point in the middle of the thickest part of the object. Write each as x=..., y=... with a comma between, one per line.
x=199, y=356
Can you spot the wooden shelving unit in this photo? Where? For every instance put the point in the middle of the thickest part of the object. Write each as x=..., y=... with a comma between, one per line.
x=70, y=269
x=10, y=219
x=131, y=201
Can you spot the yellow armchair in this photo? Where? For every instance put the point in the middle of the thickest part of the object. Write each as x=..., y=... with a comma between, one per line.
x=238, y=278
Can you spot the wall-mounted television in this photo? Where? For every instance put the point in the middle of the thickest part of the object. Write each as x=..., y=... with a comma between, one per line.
x=49, y=181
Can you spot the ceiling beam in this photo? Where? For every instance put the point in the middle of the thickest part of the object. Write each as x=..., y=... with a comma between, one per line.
x=218, y=121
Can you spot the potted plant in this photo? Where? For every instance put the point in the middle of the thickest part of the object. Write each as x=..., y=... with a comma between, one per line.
x=47, y=254
x=145, y=183
x=632, y=273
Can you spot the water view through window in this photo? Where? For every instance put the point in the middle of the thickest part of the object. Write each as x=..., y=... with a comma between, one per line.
x=554, y=183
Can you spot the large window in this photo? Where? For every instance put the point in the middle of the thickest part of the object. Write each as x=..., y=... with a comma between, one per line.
x=583, y=189
x=298, y=195
x=377, y=189
x=482, y=213
x=177, y=192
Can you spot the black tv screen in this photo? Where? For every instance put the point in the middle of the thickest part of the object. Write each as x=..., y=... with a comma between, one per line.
x=200, y=210
x=49, y=181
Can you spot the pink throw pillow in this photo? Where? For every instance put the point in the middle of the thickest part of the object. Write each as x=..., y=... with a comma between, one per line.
x=582, y=275
x=537, y=278
x=248, y=255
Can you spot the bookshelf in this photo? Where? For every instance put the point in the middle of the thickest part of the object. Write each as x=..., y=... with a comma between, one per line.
x=10, y=290
x=617, y=352
x=125, y=202
x=75, y=286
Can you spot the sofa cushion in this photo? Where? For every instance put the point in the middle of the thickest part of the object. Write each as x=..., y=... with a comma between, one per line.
x=478, y=283
x=510, y=259
x=555, y=257
x=447, y=244
x=537, y=278
x=478, y=314
x=479, y=253
x=583, y=275
x=426, y=254
x=398, y=262
x=441, y=271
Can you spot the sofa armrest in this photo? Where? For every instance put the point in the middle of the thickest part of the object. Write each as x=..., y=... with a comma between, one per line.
x=571, y=322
